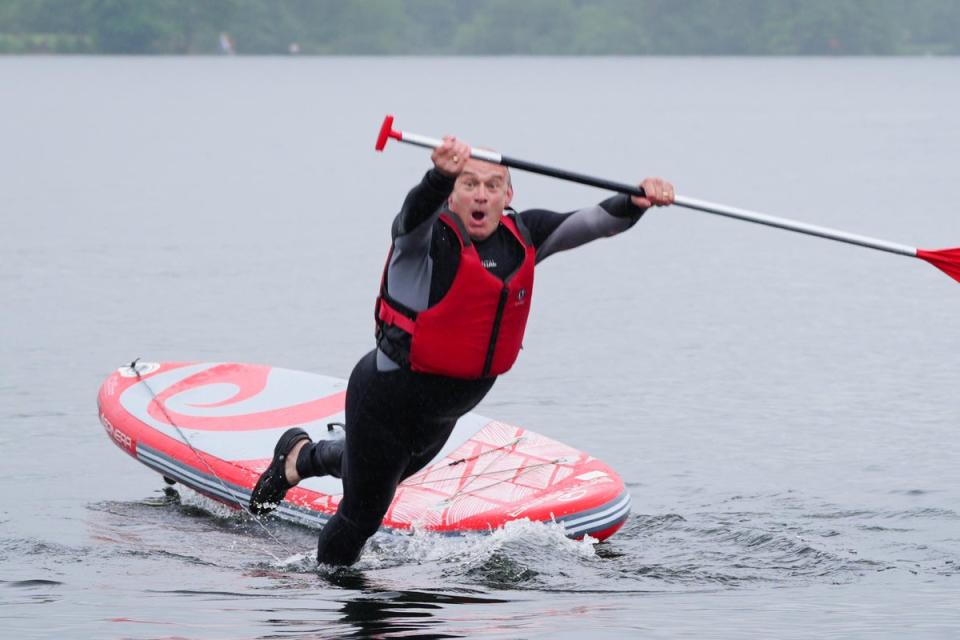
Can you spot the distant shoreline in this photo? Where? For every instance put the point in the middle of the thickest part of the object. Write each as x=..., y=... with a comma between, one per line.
x=701, y=28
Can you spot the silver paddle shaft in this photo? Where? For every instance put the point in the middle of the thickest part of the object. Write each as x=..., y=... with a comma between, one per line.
x=689, y=203
x=791, y=225
x=433, y=143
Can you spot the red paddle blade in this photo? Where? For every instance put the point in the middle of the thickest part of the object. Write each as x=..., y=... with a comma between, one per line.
x=947, y=260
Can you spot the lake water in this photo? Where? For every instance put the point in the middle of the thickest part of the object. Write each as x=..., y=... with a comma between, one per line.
x=783, y=409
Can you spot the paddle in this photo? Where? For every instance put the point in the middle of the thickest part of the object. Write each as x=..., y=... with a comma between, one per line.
x=947, y=260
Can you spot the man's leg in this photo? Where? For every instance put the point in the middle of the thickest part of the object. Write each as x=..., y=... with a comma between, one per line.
x=373, y=465
x=396, y=422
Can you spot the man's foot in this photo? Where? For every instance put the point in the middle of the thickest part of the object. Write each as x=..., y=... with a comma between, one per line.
x=275, y=481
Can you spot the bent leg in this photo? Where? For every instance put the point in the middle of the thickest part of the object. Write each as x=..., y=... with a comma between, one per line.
x=367, y=494
x=396, y=422
x=374, y=464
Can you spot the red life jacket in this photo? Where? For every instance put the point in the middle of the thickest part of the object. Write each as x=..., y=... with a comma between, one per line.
x=476, y=329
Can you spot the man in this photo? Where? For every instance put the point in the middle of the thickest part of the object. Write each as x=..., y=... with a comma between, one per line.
x=450, y=318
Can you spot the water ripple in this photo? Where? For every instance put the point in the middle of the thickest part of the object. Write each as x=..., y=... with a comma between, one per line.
x=784, y=542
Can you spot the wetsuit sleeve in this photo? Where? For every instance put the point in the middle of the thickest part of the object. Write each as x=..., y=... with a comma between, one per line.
x=410, y=269
x=422, y=205
x=552, y=232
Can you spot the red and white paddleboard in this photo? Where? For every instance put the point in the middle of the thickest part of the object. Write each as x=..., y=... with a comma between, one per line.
x=213, y=427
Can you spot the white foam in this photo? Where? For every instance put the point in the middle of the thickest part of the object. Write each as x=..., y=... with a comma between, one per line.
x=422, y=547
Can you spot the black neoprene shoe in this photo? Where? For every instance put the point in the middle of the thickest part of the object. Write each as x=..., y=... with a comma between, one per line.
x=273, y=485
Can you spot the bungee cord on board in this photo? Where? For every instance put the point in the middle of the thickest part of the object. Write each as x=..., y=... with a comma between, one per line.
x=519, y=472
x=512, y=443
x=513, y=472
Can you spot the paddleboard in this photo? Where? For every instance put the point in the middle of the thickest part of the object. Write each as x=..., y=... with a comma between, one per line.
x=213, y=426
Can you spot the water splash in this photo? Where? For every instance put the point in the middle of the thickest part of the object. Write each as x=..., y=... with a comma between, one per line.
x=748, y=540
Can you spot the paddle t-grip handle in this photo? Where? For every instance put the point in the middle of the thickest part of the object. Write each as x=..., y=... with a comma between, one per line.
x=387, y=132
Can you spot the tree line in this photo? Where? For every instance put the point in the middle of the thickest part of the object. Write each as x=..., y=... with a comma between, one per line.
x=482, y=27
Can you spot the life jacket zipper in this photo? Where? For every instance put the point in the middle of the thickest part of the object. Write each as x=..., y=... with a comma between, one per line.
x=504, y=293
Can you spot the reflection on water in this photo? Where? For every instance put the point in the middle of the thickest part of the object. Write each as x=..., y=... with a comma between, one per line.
x=381, y=612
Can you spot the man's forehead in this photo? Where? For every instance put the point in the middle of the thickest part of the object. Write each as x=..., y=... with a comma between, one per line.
x=483, y=170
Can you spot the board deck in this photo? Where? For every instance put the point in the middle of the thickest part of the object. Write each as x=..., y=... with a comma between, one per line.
x=213, y=427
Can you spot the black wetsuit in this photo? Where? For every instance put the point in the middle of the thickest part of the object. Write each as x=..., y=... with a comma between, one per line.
x=397, y=420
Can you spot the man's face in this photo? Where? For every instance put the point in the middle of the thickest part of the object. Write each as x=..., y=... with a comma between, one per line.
x=480, y=194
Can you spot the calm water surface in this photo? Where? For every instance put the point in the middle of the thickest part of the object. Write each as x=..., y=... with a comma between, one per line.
x=783, y=408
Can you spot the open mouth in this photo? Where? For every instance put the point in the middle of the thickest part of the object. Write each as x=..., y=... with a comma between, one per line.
x=478, y=216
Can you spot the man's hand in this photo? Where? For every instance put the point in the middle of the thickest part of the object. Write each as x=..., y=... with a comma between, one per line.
x=450, y=156
x=659, y=193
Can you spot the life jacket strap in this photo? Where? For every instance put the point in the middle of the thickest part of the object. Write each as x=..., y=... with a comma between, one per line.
x=391, y=316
